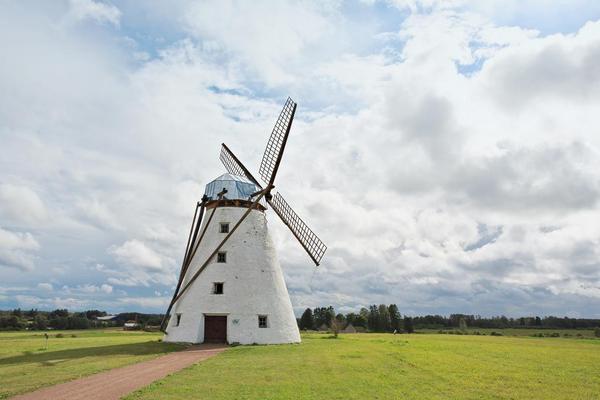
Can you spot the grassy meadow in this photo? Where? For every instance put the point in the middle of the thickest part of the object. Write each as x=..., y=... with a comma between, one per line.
x=385, y=366
x=358, y=366
x=25, y=363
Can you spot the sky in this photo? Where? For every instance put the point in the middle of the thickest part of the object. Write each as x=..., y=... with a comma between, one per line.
x=447, y=152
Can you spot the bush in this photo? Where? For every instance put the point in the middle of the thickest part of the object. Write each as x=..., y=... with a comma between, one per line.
x=59, y=335
x=496, y=333
x=597, y=332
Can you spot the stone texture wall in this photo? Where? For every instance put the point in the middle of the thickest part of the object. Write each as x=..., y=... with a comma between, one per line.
x=253, y=285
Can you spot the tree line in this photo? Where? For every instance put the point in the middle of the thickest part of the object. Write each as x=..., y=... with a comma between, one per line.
x=387, y=318
x=34, y=319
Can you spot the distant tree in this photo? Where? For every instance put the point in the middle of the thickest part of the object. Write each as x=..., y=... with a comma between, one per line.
x=17, y=312
x=341, y=318
x=78, y=322
x=58, y=313
x=335, y=326
x=597, y=332
x=383, y=323
x=11, y=322
x=40, y=322
x=373, y=319
x=31, y=313
x=462, y=324
x=357, y=319
x=59, y=322
x=323, y=316
x=395, y=320
x=307, y=320
x=93, y=314
x=538, y=321
x=408, y=324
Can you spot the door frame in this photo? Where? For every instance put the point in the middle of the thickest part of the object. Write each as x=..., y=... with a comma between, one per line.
x=226, y=315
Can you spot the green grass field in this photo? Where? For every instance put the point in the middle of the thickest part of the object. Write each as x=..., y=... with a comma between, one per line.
x=384, y=366
x=362, y=366
x=25, y=365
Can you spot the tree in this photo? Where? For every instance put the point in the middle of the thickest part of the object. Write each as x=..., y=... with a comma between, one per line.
x=462, y=324
x=93, y=314
x=373, y=318
x=40, y=322
x=58, y=313
x=323, y=316
x=307, y=320
x=408, y=325
x=395, y=320
x=597, y=332
x=383, y=323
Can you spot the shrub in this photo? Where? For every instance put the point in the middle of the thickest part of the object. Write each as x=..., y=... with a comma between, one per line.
x=597, y=332
x=496, y=333
x=59, y=335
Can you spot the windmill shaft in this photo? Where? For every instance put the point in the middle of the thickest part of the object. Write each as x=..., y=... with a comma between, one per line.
x=187, y=261
x=183, y=264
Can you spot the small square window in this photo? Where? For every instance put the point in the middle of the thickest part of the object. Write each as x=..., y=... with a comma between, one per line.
x=224, y=227
x=218, y=288
x=221, y=257
x=262, y=321
x=178, y=319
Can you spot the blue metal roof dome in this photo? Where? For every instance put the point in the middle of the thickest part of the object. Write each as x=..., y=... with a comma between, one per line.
x=238, y=187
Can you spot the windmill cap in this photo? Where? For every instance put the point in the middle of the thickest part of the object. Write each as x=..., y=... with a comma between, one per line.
x=238, y=187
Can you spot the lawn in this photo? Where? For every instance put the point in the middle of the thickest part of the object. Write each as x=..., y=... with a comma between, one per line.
x=385, y=366
x=26, y=365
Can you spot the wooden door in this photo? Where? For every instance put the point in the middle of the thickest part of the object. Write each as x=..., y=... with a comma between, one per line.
x=215, y=328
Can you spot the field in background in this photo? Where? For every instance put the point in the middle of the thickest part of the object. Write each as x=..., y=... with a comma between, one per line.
x=574, y=333
x=385, y=366
x=26, y=365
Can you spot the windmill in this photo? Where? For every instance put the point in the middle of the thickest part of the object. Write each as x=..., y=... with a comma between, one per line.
x=231, y=286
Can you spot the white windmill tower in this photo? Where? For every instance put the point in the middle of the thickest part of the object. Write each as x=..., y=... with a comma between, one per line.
x=231, y=287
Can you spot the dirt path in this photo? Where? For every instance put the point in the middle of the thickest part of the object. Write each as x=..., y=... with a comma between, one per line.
x=116, y=383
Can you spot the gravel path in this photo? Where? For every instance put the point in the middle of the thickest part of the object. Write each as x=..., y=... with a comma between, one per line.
x=116, y=383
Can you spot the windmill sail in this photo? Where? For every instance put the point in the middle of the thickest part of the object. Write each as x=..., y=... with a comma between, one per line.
x=234, y=166
x=307, y=238
x=276, y=144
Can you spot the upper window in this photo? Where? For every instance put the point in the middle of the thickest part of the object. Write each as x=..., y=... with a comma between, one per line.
x=224, y=227
x=262, y=321
x=218, y=288
x=221, y=257
x=178, y=320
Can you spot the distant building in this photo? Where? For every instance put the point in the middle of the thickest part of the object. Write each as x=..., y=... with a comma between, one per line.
x=349, y=329
x=106, y=318
x=323, y=328
x=131, y=326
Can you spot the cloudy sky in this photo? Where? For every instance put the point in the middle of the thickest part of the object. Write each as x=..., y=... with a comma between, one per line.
x=446, y=151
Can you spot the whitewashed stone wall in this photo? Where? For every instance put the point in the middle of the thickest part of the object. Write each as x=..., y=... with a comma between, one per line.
x=253, y=285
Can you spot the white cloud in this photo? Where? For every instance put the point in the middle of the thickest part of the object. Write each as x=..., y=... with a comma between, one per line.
x=45, y=286
x=21, y=204
x=449, y=162
x=147, y=302
x=96, y=10
x=106, y=288
x=16, y=249
x=135, y=252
